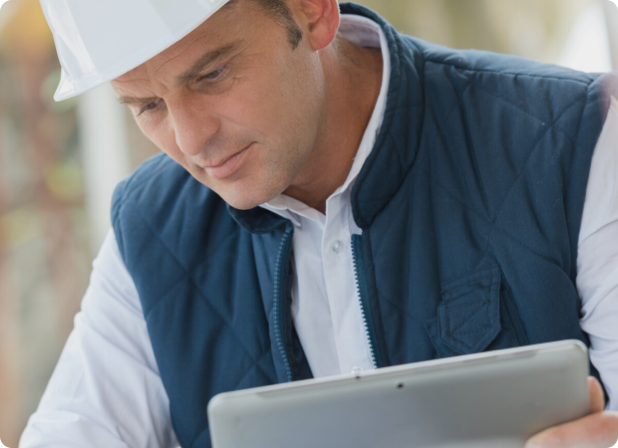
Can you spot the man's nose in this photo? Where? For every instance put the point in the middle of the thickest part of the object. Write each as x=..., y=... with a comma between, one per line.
x=193, y=125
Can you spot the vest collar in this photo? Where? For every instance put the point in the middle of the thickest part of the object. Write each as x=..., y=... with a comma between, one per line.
x=397, y=143
x=257, y=220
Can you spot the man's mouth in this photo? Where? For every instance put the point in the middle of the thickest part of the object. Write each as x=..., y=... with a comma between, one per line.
x=226, y=167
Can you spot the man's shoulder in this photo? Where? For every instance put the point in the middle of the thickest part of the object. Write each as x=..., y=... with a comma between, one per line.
x=159, y=194
x=155, y=172
x=495, y=85
x=157, y=177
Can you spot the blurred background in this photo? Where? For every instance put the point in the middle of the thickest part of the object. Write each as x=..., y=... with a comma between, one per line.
x=59, y=162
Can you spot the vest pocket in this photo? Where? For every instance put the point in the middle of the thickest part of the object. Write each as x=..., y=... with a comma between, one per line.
x=476, y=313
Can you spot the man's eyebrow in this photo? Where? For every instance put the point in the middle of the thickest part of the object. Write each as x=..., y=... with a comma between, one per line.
x=134, y=100
x=206, y=60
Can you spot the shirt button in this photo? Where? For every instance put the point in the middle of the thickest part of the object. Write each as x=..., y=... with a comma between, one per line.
x=338, y=246
x=357, y=370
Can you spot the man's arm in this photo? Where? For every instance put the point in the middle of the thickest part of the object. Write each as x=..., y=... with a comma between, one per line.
x=106, y=390
x=597, y=283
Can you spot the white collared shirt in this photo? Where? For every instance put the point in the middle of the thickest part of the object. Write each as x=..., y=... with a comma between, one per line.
x=106, y=390
x=325, y=302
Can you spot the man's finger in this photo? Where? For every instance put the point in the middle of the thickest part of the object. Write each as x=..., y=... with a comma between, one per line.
x=599, y=430
x=597, y=400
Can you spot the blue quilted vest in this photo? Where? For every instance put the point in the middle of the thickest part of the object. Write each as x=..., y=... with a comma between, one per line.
x=470, y=206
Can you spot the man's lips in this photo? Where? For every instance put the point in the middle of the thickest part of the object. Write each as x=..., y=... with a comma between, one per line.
x=228, y=166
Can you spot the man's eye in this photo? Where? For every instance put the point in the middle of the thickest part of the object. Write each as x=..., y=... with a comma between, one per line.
x=149, y=107
x=212, y=76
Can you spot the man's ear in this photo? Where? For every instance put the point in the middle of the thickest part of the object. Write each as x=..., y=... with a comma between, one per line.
x=319, y=20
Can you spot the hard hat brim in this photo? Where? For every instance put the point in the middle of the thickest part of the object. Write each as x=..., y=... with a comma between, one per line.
x=90, y=77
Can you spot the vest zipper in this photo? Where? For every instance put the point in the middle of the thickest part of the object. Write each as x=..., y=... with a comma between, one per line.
x=278, y=299
x=363, y=293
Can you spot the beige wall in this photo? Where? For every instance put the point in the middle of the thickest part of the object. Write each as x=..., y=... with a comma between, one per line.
x=529, y=28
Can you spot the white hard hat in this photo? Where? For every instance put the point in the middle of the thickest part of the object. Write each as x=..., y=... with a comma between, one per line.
x=100, y=40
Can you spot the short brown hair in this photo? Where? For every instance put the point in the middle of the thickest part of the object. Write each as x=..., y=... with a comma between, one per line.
x=279, y=11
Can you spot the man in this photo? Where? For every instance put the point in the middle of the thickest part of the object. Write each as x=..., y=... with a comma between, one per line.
x=333, y=197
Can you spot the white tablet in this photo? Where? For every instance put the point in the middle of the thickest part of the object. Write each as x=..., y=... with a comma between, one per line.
x=494, y=399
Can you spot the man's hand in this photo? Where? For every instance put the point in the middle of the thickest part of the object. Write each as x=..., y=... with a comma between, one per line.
x=597, y=430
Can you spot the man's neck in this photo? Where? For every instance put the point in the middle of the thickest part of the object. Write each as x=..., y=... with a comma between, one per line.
x=353, y=79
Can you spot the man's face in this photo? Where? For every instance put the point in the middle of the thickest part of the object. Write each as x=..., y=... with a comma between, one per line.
x=232, y=103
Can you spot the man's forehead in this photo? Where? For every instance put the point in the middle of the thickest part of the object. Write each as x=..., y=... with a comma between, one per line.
x=185, y=62
x=196, y=67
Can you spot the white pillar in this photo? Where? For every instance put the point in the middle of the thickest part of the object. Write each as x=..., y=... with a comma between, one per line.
x=105, y=153
x=588, y=45
x=611, y=15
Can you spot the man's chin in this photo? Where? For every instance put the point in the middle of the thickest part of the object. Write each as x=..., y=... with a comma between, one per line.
x=243, y=195
x=244, y=202
x=243, y=206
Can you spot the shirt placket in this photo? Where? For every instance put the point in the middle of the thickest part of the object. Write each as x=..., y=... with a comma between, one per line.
x=348, y=328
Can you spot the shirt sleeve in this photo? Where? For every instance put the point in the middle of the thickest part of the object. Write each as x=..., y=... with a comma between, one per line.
x=106, y=391
x=597, y=262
